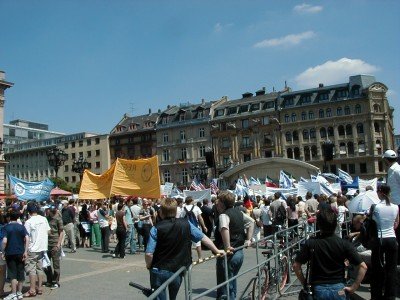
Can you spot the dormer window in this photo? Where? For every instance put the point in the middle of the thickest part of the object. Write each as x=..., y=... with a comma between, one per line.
x=306, y=99
x=243, y=108
x=342, y=94
x=182, y=117
x=269, y=104
x=219, y=112
x=289, y=102
x=255, y=106
x=164, y=120
x=323, y=97
x=232, y=110
x=200, y=114
x=132, y=126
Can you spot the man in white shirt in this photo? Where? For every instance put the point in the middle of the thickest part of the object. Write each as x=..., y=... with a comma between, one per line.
x=38, y=230
x=393, y=180
x=189, y=208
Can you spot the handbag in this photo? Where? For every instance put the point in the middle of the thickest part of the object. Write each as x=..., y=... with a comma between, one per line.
x=306, y=293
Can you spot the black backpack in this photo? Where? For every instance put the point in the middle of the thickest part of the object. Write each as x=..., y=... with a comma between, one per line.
x=280, y=215
x=369, y=230
x=191, y=216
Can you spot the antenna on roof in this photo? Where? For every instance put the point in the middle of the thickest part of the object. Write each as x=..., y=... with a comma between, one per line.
x=132, y=107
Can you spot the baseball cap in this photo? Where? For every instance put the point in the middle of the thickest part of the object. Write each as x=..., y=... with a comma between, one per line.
x=389, y=154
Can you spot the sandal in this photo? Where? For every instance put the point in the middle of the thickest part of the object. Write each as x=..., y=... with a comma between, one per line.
x=39, y=292
x=30, y=294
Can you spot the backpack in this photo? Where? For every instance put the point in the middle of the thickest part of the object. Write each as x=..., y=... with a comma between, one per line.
x=280, y=215
x=369, y=230
x=191, y=216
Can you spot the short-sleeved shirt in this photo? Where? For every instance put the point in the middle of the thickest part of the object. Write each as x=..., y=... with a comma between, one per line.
x=275, y=205
x=56, y=226
x=196, y=210
x=329, y=255
x=265, y=217
x=393, y=180
x=312, y=205
x=37, y=228
x=195, y=234
x=15, y=234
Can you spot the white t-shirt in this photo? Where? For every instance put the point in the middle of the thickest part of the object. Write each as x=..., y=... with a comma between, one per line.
x=385, y=215
x=342, y=212
x=196, y=210
x=265, y=218
x=38, y=230
x=393, y=180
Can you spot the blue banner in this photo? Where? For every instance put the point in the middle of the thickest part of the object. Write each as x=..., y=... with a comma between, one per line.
x=25, y=190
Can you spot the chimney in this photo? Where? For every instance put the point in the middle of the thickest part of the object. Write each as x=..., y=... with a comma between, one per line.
x=149, y=111
x=2, y=75
x=203, y=101
x=260, y=92
x=159, y=111
x=247, y=95
x=321, y=85
x=168, y=106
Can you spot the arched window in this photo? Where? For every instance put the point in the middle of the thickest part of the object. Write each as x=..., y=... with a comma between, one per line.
x=328, y=113
x=295, y=135
x=349, y=129
x=306, y=153
x=350, y=148
x=314, y=151
x=378, y=147
x=294, y=117
x=288, y=136
x=304, y=116
x=297, y=153
x=377, y=108
x=321, y=114
x=305, y=134
x=312, y=133
x=322, y=132
x=289, y=153
x=377, y=127
x=347, y=110
x=360, y=128
x=330, y=131
x=339, y=111
x=357, y=109
x=311, y=115
x=341, y=130
x=361, y=147
x=342, y=148
x=286, y=118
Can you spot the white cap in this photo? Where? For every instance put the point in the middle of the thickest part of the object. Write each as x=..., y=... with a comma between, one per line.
x=389, y=154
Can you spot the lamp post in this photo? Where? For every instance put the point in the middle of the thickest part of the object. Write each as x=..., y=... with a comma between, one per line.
x=56, y=158
x=1, y=145
x=79, y=166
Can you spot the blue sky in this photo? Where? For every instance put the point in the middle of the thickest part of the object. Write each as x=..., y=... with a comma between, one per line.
x=80, y=65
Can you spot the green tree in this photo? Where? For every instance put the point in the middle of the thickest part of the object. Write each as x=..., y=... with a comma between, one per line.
x=61, y=183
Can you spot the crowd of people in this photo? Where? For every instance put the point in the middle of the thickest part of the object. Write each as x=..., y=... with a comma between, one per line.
x=33, y=236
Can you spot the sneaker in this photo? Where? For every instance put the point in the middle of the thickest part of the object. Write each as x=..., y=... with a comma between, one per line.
x=11, y=297
x=55, y=286
x=20, y=295
x=114, y=256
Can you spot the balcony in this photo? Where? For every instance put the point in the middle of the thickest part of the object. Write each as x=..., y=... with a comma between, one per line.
x=246, y=146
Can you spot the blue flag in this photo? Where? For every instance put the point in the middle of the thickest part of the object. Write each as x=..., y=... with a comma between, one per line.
x=25, y=190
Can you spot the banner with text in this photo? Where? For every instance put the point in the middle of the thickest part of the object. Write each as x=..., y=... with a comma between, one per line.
x=25, y=190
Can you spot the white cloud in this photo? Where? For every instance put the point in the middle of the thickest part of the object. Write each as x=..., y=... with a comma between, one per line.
x=333, y=72
x=307, y=8
x=391, y=93
x=286, y=41
x=220, y=27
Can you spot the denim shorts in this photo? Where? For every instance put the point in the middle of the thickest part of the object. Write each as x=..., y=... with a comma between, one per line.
x=333, y=291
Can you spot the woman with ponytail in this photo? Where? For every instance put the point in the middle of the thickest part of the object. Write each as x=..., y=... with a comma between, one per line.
x=384, y=253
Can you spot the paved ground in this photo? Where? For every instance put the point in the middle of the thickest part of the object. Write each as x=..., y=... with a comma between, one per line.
x=89, y=274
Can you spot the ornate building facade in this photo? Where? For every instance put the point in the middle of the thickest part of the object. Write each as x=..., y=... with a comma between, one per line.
x=134, y=137
x=183, y=137
x=355, y=116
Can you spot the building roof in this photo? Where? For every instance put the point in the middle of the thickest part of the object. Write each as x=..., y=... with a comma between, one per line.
x=135, y=123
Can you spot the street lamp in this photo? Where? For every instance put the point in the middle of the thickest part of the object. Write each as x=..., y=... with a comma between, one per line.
x=79, y=166
x=199, y=171
x=56, y=158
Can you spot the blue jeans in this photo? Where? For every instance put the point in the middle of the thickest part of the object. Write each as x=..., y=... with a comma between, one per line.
x=158, y=277
x=332, y=291
x=235, y=262
x=130, y=238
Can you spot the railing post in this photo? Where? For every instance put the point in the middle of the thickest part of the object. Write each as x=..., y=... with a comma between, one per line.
x=288, y=248
x=226, y=276
x=186, y=282
x=276, y=256
x=258, y=270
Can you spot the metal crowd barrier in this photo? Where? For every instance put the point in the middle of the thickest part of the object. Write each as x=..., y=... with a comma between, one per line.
x=299, y=234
